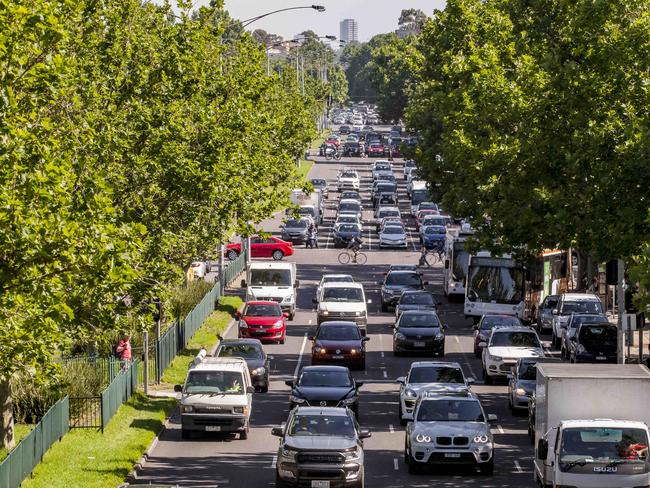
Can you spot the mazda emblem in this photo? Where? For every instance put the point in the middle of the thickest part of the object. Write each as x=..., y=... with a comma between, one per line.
x=338, y=351
x=323, y=404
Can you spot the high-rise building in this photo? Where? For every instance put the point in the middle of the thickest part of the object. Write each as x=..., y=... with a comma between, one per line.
x=349, y=31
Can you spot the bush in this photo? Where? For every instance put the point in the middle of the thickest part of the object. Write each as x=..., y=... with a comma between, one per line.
x=31, y=399
x=183, y=300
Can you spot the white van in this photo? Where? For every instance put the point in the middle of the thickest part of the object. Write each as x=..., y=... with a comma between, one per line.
x=343, y=301
x=217, y=396
x=273, y=281
x=570, y=303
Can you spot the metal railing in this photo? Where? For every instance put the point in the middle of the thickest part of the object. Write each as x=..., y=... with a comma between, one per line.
x=28, y=453
x=86, y=412
x=118, y=391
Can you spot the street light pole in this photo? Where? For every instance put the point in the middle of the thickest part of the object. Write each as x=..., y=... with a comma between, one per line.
x=247, y=22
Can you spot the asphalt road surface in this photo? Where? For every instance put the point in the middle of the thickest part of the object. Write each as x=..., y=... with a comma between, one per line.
x=218, y=461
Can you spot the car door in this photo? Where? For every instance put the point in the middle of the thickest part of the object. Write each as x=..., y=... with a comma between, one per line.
x=257, y=247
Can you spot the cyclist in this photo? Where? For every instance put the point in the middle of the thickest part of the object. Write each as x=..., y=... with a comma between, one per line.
x=355, y=245
x=423, y=257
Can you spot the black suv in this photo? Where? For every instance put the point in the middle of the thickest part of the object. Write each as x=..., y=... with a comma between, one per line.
x=325, y=386
x=395, y=283
x=252, y=352
x=320, y=444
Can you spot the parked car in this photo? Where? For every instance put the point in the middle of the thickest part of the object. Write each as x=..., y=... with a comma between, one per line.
x=295, y=230
x=483, y=329
x=504, y=347
x=522, y=382
x=415, y=300
x=262, y=320
x=320, y=184
x=397, y=282
x=200, y=269
x=419, y=331
x=339, y=342
x=544, y=314
x=325, y=386
x=572, y=326
x=252, y=352
x=594, y=343
x=262, y=247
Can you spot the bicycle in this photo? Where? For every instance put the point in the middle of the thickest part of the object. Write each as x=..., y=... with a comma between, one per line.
x=437, y=256
x=333, y=154
x=354, y=257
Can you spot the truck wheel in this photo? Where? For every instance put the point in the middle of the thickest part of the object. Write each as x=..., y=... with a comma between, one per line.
x=265, y=389
x=243, y=434
x=291, y=316
x=232, y=254
x=277, y=255
x=487, y=468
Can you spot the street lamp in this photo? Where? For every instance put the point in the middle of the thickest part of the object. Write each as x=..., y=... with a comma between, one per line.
x=247, y=22
x=268, y=62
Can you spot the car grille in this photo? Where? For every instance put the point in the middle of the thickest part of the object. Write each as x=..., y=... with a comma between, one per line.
x=506, y=367
x=220, y=410
x=456, y=441
x=269, y=299
x=342, y=314
x=323, y=403
x=320, y=458
x=213, y=421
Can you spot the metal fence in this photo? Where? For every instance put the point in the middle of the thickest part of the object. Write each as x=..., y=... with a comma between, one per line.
x=28, y=453
x=118, y=391
x=235, y=268
x=86, y=412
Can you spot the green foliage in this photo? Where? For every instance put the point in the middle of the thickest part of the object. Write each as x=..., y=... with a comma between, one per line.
x=183, y=299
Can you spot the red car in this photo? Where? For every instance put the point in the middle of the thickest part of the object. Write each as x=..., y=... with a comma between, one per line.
x=375, y=150
x=339, y=342
x=262, y=320
x=419, y=217
x=261, y=247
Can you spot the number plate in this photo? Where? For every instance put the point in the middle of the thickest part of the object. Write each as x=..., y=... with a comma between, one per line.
x=213, y=428
x=336, y=357
x=320, y=484
x=419, y=344
x=601, y=358
x=452, y=455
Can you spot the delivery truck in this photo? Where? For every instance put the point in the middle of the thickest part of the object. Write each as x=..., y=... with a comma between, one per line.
x=591, y=425
x=309, y=204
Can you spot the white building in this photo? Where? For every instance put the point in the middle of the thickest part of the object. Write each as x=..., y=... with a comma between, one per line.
x=349, y=31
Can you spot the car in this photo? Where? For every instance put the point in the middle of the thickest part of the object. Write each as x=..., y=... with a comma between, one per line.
x=450, y=429
x=199, y=269
x=569, y=303
x=419, y=331
x=594, y=343
x=504, y=347
x=384, y=193
x=409, y=164
x=351, y=149
x=367, y=128
x=347, y=218
x=262, y=247
x=544, y=314
x=522, y=382
x=427, y=206
x=390, y=222
x=381, y=165
x=433, y=236
x=344, y=129
x=385, y=176
x=421, y=214
x=397, y=282
x=487, y=322
x=393, y=236
x=251, y=351
x=375, y=149
x=334, y=140
x=333, y=278
x=350, y=207
x=433, y=219
x=351, y=195
x=415, y=300
x=342, y=301
x=344, y=233
x=396, y=129
x=295, y=230
x=320, y=184
x=568, y=332
x=263, y=320
x=383, y=212
x=320, y=444
x=347, y=179
x=339, y=342
x=428, y=376
x=325, y=386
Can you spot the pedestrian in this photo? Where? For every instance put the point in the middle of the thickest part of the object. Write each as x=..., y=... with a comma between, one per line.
x=593, y=288
x=123, y=349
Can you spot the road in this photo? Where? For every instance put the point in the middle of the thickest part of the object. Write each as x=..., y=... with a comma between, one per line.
x=214, y=461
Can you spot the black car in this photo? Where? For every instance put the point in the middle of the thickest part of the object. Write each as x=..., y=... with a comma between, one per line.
x=395, y=283
x=320, y=184
x=415, y=300
x=485, y=326
x=570, y=329
x=325, y=386
x=594, y=343
x=344, y=233
x=250, y=350
x=419, y=331
x=344, y=129
x=350, y=195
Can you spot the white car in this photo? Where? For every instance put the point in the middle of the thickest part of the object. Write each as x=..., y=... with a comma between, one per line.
x=504, y=347
x=342, y=301
x=333, y=278
x=570, y=303
x=393, y=236
x=348, y=178
x=350, y=207
x=200, y=269
x=409, y=166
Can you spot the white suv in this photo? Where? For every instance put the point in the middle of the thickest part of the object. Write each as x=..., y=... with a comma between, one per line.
x=570, y=303
x=504, y=347
x=348, y=178
x=343, y=301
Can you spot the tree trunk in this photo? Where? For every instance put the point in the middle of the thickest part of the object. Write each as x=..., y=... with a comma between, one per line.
x=7, y=424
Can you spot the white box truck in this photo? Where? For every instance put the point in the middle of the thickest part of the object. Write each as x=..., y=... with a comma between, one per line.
x=273, y=281
x=591, y=425
x=309, y=204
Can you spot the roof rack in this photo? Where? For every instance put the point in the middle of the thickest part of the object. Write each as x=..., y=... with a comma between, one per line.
x=203, y=358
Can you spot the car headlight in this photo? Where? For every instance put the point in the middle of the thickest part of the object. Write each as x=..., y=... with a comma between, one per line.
x=320, y=350
x=288, y=298
x=422, y=438
x=495, y=358
x=352, y=455
x=288, y=454
x=439, y=337
x=278, y=324
x=296, y=399
x=258, y=371
x=353, y=351
x=520, y=392
x=241, y=410
x=243, y=324
x=481, y=439
x=410, y=393
x=349, y=401
x=324, y=312
x=400, y=337
x=358, y=314
x=187, y=408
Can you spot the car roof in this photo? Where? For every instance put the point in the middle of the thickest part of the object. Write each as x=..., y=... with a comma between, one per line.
x=463, y=395
x=387, y=208
x=403, y=271
x=514, y=328
x=339, y=369
x=336, y=276
x=331, y=411
x=349, y=200
x=440, y=364
x=236, y=342
x=337, y=323
x=416, y=292
x=344, y=284
x=262, y=302
x=578, y=297
x=425, y=311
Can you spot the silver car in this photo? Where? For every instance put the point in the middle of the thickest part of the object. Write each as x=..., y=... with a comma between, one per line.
x=545, y=313
x=393, y=236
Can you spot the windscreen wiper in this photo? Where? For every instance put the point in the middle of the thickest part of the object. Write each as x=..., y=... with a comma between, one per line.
x=578, y=462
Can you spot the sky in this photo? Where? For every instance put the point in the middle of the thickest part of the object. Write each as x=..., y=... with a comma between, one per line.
x=373, y=16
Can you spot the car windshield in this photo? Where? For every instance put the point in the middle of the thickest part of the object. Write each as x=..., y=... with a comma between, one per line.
x=581, y=319
x=246, y=351
x=437, y=374
x=336, y=379
x=339, y=333
x=489, y=322
x=551, y=304
x=209, y=382
x=435, y=229
x=349, y=207
x=416, y=299
x=583, y=306
x=270, y=277
x=428, y=206
x=322, y=425
x=598, y=335
x=319, y=183
x=514, y=339
x=342, y=295
x=585, y=446
x=450, y=411
x=351, y=219
x=296, y=223
x=348, y=174
x=406, y=279
x=270, y=310
x=386, y=188
x=352, y=195
x=388, y=213
x=419, y=320
x=349, y=228
x=394, y=230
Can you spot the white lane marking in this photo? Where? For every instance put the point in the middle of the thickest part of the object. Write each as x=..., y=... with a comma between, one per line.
x=518, y=467
x=391, y=429
x=275, y=460
x=369, y=241
x=310, y=321
x=500, y=429
x=302, y=351
x=385, y=374
x=396, y=464
x=382, y=354
x=455, y=337
x=412, y=241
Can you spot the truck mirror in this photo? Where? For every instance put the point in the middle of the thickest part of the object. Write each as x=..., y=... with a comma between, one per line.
x=277, y=431
x=243, y=283
x=178, y=388
x=401, y=380
x=296, y=284
x=542, y=449
x=250, y=389
x=364, y=433
x=491, y=418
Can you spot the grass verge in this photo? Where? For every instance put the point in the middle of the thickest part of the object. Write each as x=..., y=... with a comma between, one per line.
x=316, y=143
x=305, y=168
x=92, y=459
x=205, y=337
x=20, y=431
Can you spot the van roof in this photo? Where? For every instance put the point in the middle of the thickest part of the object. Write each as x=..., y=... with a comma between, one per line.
x=580, y=371
x=220, y=364
x=342, y=284
x=271, y=265
x=580, y=297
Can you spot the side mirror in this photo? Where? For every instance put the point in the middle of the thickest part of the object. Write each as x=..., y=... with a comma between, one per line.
x=470, y=381
x=426, y=283
x=482, y=344
x=491, y=418
x=285, y=315
x=542, y=449
x=178, y=388
x=445, y=326
x=555, y=311
x=364, y=433
x=365, y=338
x=314, y=301
x=290, y=383
x=238, y=314
x=311, y=338
x=296, y=284
x=359, y=384
x=277, y=431
x=401, y=380
x=250, y=389
x=243, y=283
x=475, y=327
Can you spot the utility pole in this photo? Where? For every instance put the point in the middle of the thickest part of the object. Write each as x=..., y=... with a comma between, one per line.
x=302, y=63
x=620, y=301
x=145, y=348
x=222, y=284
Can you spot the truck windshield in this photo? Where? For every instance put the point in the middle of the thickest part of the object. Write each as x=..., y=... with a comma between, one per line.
x=322, y=425
x=514, y=339
x=419, y=196
x=582, y=307
x=270, y=277
x=208, y=382
x=440, y=374
x=615, y=446
x=342, y=295
x=501, y=284
x=336, y=379
x=450, y=411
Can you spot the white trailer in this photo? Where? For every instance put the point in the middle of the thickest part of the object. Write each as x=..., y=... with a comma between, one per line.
x=591, y=425
x=309, y=204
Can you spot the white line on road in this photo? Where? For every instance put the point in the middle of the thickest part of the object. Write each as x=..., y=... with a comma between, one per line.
x=302, y=351
x=500, y=429
x=369, y=240
x=412, y=241
x=518, y=467
x=310, y=321
x=275, y=460
x=382, y=354
x=385, y=374
x=457, y=339
x=391, y=429
x=396, y=464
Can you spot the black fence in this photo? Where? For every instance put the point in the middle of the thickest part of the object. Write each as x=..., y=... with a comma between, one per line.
x=85, y=412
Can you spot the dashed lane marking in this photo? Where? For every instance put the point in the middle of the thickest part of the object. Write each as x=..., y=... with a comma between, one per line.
x=391, y=429
x=273, y=463
x=518, y=467
x=396, y=464
x=302, y=351
x=385, y=374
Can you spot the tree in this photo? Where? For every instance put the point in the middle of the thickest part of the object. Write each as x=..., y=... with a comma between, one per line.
x=263, y=37
x=412, y=17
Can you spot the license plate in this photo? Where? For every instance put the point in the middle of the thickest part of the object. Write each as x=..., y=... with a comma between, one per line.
x=452, y=455
x=213, y=428
x=320, y=484
x=601, y=358
x=419, y=344
x=336, y=357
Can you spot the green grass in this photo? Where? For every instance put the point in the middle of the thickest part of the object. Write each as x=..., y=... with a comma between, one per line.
x=20, y=431
x=316, y=143
x=205, y=337
x=305, y=167
x=89, y=458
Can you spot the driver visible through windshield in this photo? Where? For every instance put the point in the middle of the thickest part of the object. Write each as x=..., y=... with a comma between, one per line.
x=209, y=382
x=270, y=277
x=317, y=425
x=342, y=295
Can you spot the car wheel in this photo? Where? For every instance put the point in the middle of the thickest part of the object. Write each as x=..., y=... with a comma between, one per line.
x=243, y=434
x=232, y=255
x=282, y=341
x=477, y=354
x=292, y=315
x=487, y=468
x=277, y=255
x=265, y=389
x=414, y=466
